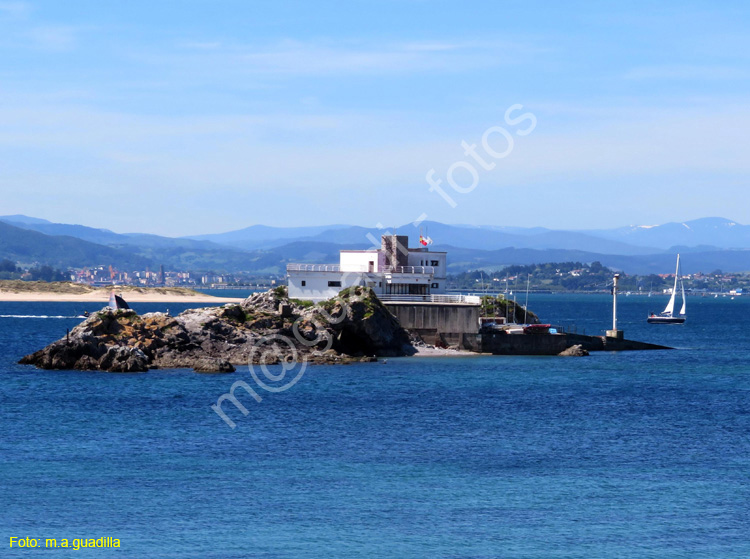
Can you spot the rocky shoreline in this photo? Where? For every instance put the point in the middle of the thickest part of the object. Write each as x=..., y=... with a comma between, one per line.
x=265, y=328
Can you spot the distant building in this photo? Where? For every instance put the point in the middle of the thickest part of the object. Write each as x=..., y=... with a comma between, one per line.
x=394, y=270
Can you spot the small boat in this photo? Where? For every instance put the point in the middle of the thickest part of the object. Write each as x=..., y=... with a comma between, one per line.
x=668, y=316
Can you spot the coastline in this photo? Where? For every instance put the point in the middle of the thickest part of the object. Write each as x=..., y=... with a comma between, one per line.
x=66, y=292
x=130, y=297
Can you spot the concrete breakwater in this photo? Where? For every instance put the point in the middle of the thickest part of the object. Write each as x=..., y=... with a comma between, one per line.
x=457, y=325
x=499, y=342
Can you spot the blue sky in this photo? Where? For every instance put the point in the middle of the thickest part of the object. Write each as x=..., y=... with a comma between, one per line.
x=194, y=117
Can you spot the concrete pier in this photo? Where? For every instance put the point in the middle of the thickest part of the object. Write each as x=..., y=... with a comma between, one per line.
x=457, y=325
x=500, y=343
x=440, y=324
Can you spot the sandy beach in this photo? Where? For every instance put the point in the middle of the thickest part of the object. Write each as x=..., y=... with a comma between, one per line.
x=70, y=292
x=104, y=298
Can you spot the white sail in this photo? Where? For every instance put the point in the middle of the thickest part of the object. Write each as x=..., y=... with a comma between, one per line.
x=670, y=306
x=683, y=311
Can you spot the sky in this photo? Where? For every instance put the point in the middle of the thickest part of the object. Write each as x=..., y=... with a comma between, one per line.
x=194, y=117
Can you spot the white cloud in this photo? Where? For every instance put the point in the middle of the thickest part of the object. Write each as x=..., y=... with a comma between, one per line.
x=200, y=45
x=686, y=72
x=53, y=37
x=297, y=58
x=343, y=158
x=16, y=10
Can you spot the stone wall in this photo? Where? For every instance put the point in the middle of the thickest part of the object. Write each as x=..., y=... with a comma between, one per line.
x=441, y=324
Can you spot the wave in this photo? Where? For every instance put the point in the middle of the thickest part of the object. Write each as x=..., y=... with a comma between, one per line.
x=35, y=316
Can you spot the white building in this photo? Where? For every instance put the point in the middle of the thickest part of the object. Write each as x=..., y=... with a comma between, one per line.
x=392, y=270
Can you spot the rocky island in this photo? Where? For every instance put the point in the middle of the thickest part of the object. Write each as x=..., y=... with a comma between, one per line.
x=266, y=327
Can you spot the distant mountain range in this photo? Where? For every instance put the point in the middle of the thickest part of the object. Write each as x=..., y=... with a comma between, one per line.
x=709, y=244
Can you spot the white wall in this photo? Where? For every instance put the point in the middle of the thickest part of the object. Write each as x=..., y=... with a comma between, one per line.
x=419, y=258
x=358, y=261
x=316, y=286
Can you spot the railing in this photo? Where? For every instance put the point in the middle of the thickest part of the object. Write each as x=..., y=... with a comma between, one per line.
x=409, y=270
x=465, y=299
x=313, y=268
x=224, y=286
x=423, y=270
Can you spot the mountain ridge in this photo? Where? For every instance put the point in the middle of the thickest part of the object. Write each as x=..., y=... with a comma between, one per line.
x=27, y=239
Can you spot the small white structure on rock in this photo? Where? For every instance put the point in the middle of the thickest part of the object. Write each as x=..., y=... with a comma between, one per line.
x=392, y=271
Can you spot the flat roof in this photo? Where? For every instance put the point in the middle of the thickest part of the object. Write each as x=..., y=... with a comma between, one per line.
x=415, y=250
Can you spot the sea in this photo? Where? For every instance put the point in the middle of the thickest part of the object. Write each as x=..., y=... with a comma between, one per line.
x=616, y=455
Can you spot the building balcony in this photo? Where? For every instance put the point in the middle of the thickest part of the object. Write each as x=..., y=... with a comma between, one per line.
x=411, y=270
x=313, y=268
x=442, y=299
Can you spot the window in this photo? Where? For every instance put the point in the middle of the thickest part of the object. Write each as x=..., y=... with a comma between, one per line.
x=304, y=283
x=435, y=286
x=334, y=284
x=435, y=263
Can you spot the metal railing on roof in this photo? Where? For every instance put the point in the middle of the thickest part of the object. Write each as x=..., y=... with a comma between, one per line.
x=422, y=270
x=410, y=270
x=464, y=299
x=313, y=268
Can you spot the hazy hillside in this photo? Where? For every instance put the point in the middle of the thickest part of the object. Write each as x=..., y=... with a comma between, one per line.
x=28, y=247
x=105, y=236
x=263, y=249
x=461, y=259
x=711, y=231
x=262, y=236
x=477, y=237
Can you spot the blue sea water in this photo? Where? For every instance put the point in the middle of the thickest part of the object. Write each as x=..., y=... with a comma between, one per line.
x=630, y=455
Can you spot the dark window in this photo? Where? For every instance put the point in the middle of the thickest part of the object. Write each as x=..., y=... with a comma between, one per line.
x=334, y=284
x=435, y=263
x=434, y=286
x=304, y=283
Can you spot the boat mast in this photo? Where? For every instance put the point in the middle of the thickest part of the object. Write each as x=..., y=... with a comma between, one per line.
x=526, y=307
x=670, y=306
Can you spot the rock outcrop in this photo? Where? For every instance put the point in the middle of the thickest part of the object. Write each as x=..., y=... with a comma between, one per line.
x=574, y=351
x=267, y=327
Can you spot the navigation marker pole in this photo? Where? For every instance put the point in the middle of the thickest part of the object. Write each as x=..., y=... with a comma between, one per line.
x=615, y=333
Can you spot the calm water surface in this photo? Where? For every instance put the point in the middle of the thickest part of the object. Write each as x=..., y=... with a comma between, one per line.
x=626, y=455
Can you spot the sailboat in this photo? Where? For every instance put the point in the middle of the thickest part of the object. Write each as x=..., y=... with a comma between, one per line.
x=668, y=316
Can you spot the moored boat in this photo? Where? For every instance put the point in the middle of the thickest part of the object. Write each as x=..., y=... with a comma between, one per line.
x=668, y=316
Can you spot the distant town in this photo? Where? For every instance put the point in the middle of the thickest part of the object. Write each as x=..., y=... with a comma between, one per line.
x=102, y=276
x=551, y=277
